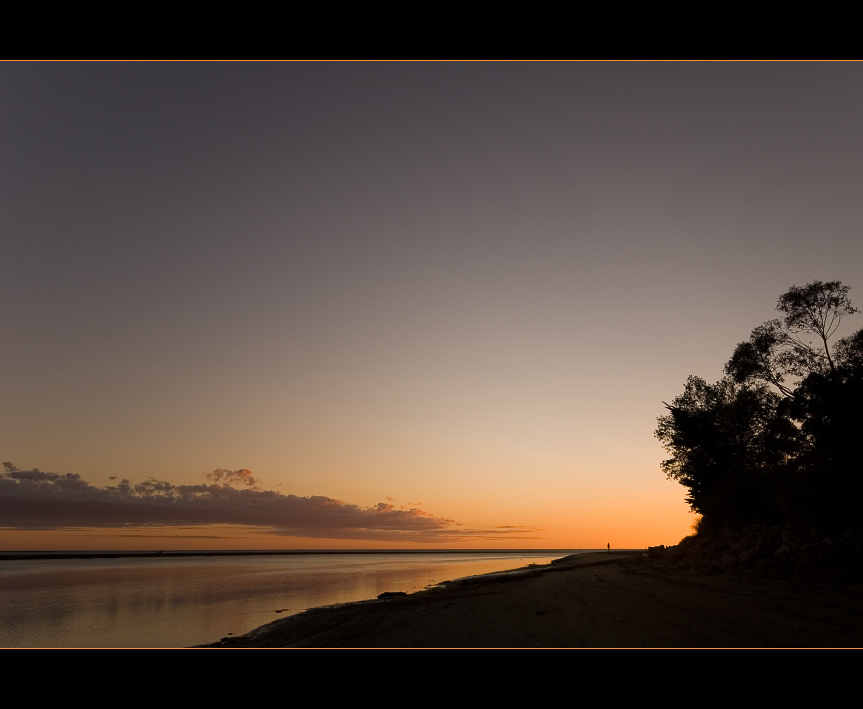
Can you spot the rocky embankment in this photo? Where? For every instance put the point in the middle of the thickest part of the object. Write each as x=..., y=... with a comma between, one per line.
x=800, y=554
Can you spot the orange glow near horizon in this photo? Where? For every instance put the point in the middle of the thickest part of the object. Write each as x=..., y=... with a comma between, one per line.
x=594, y=531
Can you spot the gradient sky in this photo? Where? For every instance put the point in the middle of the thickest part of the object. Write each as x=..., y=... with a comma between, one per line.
x=462, y=290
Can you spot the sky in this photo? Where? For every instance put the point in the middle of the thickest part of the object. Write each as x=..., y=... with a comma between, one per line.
x=401, y=305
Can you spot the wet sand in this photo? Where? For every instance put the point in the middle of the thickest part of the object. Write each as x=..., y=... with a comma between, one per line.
x=599, y=599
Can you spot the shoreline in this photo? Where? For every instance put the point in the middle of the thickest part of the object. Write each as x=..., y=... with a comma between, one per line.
x=591, y=599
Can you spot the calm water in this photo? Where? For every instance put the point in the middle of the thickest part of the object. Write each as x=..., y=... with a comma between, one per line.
x=178, y=602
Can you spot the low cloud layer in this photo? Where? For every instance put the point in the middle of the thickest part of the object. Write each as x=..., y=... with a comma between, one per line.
x=35, y=499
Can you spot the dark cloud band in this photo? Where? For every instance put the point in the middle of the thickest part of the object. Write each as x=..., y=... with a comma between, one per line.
x=35, y=499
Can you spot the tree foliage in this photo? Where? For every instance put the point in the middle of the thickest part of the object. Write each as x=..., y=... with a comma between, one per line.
x=798, y=344
x=777, y=438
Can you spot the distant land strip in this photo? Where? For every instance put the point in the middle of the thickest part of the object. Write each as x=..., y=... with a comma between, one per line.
x=27, y=555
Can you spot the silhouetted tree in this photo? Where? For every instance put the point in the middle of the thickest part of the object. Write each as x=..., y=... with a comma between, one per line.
x=749, y=453
x=727, y=442
x=782, y=348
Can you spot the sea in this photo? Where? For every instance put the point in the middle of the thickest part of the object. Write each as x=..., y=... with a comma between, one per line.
x=186, y=599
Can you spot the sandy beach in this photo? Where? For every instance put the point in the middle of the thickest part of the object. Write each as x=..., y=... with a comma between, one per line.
x=599, y=599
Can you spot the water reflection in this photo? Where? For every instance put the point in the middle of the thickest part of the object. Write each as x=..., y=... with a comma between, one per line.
x=177, y=602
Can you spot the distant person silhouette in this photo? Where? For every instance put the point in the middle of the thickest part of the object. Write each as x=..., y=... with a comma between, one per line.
x=609, y=547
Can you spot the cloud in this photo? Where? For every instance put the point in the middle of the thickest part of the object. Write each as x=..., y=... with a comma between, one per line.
x=35, y=499
x=234, y=477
